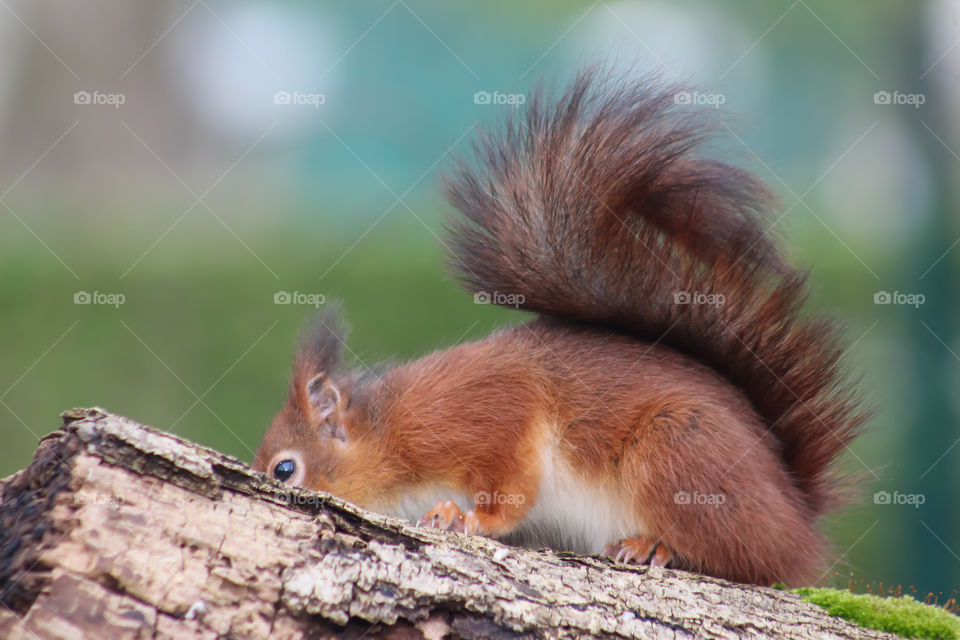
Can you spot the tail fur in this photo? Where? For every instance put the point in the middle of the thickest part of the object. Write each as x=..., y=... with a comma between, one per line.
x=600, y=210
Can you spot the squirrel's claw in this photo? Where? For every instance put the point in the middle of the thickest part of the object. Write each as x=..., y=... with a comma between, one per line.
x=446, y=515
x=640, y=550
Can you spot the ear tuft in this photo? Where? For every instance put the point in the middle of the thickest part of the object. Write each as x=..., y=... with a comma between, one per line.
x=317, y=356
x=321, y=340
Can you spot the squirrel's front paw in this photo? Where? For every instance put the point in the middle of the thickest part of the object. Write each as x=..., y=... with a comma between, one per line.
x=446, y=515
x=639, y=550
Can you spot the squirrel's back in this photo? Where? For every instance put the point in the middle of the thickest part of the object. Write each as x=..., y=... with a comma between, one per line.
x=599, y=210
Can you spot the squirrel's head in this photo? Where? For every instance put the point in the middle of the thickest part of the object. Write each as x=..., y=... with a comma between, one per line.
x=316, y=441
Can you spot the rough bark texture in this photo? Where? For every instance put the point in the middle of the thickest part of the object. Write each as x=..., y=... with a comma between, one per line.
x=119, y=531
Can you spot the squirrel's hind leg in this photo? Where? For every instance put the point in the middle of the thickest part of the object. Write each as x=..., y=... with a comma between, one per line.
x=640, y=550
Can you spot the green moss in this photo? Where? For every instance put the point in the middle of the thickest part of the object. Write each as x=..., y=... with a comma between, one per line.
x=903, y=616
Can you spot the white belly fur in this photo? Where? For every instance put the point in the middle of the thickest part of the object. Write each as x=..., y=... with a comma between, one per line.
x=569, y=514
x=572, y=513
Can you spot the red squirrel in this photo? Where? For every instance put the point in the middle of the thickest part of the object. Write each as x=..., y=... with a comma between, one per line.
x=669, y=405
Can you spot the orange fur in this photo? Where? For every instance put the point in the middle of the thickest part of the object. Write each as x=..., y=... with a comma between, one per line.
x=699, y=435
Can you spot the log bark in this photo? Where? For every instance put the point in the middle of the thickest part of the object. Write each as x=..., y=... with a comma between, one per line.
x=119, y=531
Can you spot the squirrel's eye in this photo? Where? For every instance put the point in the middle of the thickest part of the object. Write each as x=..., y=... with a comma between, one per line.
x=284, y=470
x=288, y=467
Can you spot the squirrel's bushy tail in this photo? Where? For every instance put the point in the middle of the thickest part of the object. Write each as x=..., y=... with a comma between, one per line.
x=599, y=209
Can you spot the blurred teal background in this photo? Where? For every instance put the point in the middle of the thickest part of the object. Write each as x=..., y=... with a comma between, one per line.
x=182, y=185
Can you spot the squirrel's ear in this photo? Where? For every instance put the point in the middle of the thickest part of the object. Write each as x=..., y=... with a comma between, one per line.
x=326, y=403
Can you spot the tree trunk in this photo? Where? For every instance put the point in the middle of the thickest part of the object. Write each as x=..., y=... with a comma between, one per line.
x=119, y=531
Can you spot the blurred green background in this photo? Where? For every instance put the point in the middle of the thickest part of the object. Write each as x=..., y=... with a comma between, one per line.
x=200, y=197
